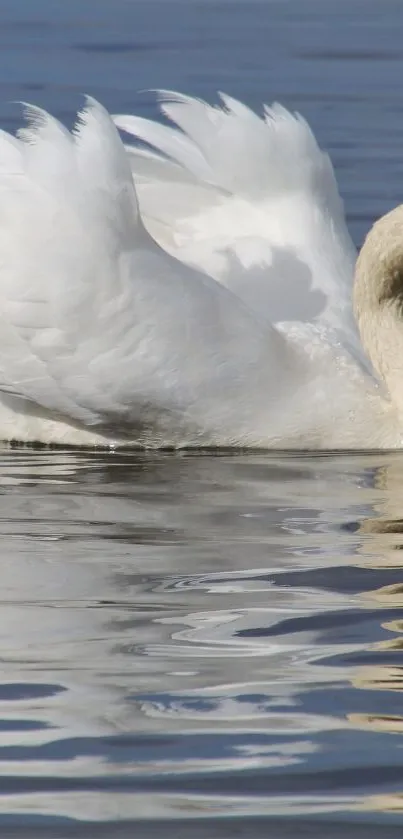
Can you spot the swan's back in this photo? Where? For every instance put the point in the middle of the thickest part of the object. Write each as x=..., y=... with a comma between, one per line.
x=252, y=201
x=101, y=327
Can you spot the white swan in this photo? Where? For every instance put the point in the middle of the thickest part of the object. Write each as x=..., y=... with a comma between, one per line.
x=107, y=338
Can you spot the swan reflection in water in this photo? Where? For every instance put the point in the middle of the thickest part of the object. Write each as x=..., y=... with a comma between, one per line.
x=380, y=549
x=196, y=616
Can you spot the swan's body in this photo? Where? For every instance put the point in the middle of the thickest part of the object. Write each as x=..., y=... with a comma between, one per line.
x=235, y=329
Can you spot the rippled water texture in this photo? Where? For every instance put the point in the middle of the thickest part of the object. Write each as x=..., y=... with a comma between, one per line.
x=195, y=645
x=189, y=637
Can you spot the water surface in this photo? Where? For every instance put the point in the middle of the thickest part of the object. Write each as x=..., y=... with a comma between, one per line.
x=197, y=638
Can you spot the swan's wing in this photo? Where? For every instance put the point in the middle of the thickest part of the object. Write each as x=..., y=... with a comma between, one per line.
x=96, y=321
x=254, y=202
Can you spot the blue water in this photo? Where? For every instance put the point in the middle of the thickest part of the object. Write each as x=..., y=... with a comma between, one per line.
x=195, y=645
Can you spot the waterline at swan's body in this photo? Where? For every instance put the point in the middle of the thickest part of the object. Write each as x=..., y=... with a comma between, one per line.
x=196, y=294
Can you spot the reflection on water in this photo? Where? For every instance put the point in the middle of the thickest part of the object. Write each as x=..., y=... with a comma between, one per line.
x=188, y=637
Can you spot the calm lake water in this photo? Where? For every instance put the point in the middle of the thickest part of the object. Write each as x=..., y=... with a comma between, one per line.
x=195, y=645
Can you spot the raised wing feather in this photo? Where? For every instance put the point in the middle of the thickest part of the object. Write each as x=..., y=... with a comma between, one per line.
x=98, y=323
x=252, y=201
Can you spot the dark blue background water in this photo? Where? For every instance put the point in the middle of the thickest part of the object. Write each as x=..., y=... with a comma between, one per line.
x=199, y=646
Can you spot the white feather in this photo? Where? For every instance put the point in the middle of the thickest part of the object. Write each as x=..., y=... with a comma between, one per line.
x=106, y=337
x=262, y=213
x=100, y=325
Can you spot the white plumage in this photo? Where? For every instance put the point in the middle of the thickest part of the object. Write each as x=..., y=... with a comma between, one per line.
x=254, y=202
x=165, y=324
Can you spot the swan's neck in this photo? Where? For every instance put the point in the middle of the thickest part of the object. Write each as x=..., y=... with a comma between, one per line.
x=378, y=301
